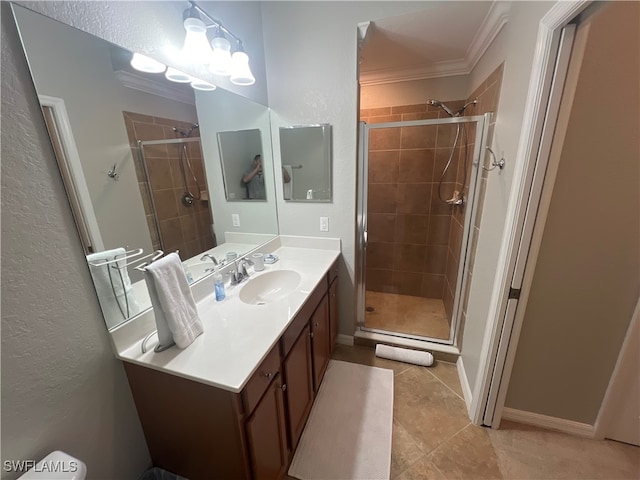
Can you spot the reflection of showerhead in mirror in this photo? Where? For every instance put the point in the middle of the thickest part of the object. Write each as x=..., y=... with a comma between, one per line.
x=451, y=113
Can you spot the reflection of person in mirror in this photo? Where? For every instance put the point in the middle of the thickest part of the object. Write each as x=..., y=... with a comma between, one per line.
x=253, y=179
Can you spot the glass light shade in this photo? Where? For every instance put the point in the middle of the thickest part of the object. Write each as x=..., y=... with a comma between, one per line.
x=196, y=47
x=221, y=58
x=202, y=85
x=177, y=76
x=240, y=71
x=146, y=64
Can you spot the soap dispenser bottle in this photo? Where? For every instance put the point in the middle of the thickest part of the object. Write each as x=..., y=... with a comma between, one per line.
x=218, y=285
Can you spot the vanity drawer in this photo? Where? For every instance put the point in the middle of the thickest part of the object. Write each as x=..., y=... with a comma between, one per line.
x=260, y=380
x=302, y=318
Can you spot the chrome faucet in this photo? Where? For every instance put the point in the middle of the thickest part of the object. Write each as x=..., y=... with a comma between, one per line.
x=212, y=258
x=240, y=273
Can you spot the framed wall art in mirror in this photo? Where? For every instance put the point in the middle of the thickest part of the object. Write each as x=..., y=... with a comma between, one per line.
x=305, y=153
x=139, y=157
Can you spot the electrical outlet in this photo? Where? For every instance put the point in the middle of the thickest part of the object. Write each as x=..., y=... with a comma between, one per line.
x=235, y=219
x=324, y=224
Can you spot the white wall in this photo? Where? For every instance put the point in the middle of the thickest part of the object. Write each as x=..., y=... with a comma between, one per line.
x=520, y=36
x=492, y=57
x=415, y=91
x=311, y=58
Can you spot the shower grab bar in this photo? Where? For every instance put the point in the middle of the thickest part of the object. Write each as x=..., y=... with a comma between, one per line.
x=494, y=162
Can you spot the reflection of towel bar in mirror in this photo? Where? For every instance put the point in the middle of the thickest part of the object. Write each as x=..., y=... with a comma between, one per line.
x=127, y=255
x=293, y=166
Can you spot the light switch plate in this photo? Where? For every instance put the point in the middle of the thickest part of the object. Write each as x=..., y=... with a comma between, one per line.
x=324, y=224
x=235, y=219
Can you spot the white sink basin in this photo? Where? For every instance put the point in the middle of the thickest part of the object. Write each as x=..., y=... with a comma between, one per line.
x=269, y=287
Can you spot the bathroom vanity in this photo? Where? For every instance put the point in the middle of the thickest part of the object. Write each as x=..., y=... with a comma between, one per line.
x=233, y=405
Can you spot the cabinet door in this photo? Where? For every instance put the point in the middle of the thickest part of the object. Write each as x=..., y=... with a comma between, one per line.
x=266, y=434
x=333, y=313
x=299, y=393
x=321, y=341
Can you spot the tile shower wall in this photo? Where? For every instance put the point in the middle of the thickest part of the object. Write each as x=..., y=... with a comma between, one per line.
x=408, y=226
x=182, y=228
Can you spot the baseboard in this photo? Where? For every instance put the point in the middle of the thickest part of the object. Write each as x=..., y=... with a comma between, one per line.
x=551, y=423
x=345, y=339
x=464, y=383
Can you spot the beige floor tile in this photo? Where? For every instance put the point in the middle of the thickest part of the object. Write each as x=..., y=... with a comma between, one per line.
x=423, y=469
x=425, y=317
x=525, y=452
x=468, y=455
x=448, y=374
x=404, y=450
x=429, y=411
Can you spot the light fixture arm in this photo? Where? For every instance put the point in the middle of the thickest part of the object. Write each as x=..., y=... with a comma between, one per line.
x=215, y=23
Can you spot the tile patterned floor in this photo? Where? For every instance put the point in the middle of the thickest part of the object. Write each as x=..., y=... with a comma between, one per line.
x=420, y=316
x=433, y=438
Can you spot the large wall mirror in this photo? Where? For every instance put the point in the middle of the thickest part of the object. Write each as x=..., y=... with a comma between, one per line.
x=141, y=162
x=305, y=152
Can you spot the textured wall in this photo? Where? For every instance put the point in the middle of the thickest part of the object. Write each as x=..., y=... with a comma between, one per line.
x=61, y=386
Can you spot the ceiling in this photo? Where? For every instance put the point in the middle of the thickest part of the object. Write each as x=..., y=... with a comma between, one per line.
x=446, y=38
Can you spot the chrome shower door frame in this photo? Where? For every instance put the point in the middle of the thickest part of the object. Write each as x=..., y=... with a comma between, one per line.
x=482, y=127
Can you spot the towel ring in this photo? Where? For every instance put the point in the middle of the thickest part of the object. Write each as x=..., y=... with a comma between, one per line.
x=495, y=162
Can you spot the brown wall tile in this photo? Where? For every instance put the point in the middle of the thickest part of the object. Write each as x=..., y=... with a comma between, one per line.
x=416, y=166
x=418, y=137
x=384, y=139
x=383, y=166
x=409, y=258
x=381, y=227
x=411, y=229
x=382, y=198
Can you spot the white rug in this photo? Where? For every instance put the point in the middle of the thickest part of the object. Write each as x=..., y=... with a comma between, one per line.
x=348, y=434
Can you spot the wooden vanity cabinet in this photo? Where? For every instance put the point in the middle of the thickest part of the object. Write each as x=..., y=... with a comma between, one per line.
x=267, y=436
x=203, y=432
x=321, y=341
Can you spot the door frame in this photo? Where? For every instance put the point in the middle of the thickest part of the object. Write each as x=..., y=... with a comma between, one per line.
x=503, y=326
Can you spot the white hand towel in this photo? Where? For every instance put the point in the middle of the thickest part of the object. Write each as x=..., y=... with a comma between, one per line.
x=114, y=308
x=175, y=299
x=288, y=187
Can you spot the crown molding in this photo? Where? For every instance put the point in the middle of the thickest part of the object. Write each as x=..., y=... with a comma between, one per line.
x=161, y=89
x=496, y=18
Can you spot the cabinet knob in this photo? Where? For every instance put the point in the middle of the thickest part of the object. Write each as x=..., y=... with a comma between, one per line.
x=283, y=387
x=317, y=325
x=268, y=375
x=311, y=334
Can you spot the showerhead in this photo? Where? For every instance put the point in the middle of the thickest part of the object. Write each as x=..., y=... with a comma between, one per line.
x=438, y=103
x=451, y=113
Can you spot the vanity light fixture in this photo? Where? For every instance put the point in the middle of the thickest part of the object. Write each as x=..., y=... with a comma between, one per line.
x=143, y=63
x=177, y=76
x=221, y=59
x=218, y=57
x=240, y=71
x=202, y=85
x=196, y=47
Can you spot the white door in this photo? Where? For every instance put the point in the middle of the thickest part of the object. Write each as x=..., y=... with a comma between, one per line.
x=619, y=417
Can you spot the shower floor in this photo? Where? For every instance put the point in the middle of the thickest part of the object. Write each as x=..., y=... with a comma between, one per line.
x=424, y=317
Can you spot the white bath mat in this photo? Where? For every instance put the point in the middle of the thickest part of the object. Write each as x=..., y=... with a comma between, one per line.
x=348, y=434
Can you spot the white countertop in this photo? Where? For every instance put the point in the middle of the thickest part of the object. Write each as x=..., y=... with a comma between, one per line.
x=238, y=336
